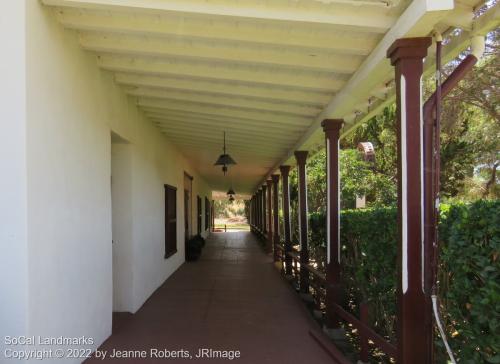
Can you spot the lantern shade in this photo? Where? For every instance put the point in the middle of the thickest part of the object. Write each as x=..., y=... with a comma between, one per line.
x=224, y=159
x=231, y=192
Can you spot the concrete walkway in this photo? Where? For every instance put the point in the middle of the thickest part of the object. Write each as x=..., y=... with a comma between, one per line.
x=232, y=299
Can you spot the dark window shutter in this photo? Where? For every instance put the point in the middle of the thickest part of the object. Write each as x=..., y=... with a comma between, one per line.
x=170, y=221
x=199, y=213
x=207, y=213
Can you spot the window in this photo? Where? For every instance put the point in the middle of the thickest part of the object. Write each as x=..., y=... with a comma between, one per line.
x=199, y=213
x=170, y=221
x=207, y=213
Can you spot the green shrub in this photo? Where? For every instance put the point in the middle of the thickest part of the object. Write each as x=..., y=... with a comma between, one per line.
x=470, y=280
x=469, y=273
x=369, y=253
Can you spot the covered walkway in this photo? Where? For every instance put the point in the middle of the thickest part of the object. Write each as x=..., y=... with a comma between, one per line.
x=232, y=299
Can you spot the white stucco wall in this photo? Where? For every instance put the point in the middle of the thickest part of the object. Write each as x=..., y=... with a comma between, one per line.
x=122, y=222
x=61, y=195
x=13, y=209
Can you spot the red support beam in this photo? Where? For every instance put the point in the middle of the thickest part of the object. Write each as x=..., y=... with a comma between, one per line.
x=301, y=157
x=251, y=214
x=264, y=210
x=285, y=171
x=259, y=211
x=269, y=216
x=412, y=332
x=269, y=213
x=332, y=128
x=276, y=230
x=256, y=216
x=212, y=214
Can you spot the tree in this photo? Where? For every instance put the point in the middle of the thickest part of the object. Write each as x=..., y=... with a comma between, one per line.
x=471, y=129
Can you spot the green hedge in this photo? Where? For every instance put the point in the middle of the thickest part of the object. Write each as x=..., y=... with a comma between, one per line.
x=469, y=272
x=470, y=280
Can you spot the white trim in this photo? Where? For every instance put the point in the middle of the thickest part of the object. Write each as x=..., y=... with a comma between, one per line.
x=338, y=200
x=307, y=204
x=404, y=194
x=421, y=167
x=289, y=220
x=328, y=200
x=300, y=210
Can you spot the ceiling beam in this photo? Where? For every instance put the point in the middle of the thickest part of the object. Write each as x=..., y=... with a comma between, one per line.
x=225, y=111
x=365, y=18
x=207, y=99
x=188, y=115
x=316, y=81
x=232, y=53
x=418, y=19
x=480, y=27
x=239, y=135
x=222, y=31
x=256, y=92
x=221, y=125
x=234, y=150
x=236, y=139
x=248, y=159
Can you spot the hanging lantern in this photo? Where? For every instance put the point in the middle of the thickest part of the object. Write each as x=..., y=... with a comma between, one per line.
x=224, y=159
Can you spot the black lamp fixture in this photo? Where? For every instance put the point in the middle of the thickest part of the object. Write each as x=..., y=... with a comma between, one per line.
x=231, y=192
x=231, y=198
x=224, y=159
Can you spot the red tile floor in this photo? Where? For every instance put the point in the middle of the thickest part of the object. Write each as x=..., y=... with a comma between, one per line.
x=233, y=298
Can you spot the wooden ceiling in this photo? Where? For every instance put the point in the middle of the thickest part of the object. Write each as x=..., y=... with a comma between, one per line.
x=266, y=72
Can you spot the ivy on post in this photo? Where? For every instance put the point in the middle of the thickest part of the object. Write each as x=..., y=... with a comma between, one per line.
x=301, y=157
x=285, y=171
x=412, y=330
x=276, y=236
x=332, y=127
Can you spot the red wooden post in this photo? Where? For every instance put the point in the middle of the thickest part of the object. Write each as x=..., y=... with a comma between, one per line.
x=364, y=355
x=255, y=219
x=301, y=157
x=269, y=217
x=259, y=210
x=251, y=212
x=276, y=235
x=254, y=212
x=331, y=128
x=285, y=170
x=212, y=213
x=412, y=332
x=264, y=210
